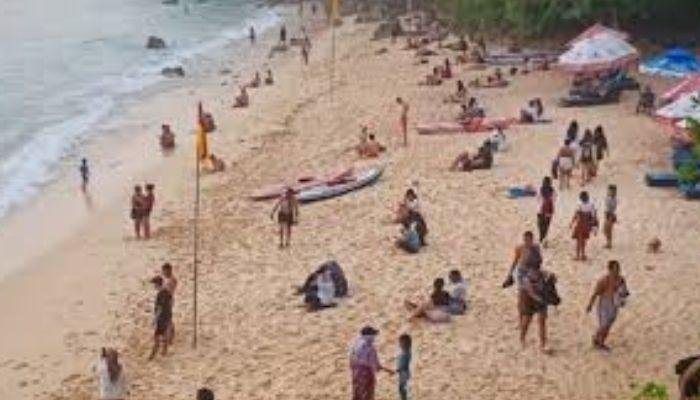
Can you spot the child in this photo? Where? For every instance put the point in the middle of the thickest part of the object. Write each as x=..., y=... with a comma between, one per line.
x=403, y=365
x=610, y=215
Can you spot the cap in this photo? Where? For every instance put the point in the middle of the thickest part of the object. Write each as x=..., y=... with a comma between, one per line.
x=369, y=331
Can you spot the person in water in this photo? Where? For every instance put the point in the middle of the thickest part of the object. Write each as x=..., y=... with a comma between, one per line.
x=610, y=292
x=163, y=316
x=84, y=174
x=242, y=100
x=287, y=209
x=403, y=121
x=610, y=215
x=251, y=34
x=269, y=80
x=583, y=224
x=167, y=137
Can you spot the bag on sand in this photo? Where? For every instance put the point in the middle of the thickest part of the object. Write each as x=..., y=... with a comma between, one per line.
x=550, y=294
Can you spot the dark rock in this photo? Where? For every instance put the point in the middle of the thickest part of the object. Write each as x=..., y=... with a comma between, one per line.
x=173, y=72
x=155, y=42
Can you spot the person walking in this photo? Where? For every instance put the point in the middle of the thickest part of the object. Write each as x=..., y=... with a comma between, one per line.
x=84, y=174
x=610, y=292
x=547, y=197
x=163, y=316
x=403, y=365
x=610, y=215
x=583, y=224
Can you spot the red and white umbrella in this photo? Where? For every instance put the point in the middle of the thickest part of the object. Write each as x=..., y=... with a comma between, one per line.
x=690, y=84
x=596, y=30
x=598, y=53
x=686, y=106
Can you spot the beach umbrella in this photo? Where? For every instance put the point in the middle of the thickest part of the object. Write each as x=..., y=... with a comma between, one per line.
x=598, y=53
x=688, y=85
x=686, y=106
x=676, y=62
x=595, y=30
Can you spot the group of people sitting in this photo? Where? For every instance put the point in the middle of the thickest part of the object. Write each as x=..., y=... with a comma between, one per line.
x=533, y=112
x=442, y=304
x=324, y=286
x=492, y=80
x=439, y=73
x=482, y=160
x=413, y=226
x=243, y=99
x=470, y=111
x=368, y=146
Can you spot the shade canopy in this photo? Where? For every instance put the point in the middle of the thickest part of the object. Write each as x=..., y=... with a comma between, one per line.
x=686, y=106
x=598, y=53
x=677, y=62
x=689, y=85
x=596, y=30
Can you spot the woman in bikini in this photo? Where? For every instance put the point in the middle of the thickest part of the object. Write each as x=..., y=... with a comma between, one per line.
x=583, y=223
x=287, y=209
x=565, y=164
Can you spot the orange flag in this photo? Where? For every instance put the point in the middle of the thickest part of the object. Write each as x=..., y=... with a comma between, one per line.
x=202, y=145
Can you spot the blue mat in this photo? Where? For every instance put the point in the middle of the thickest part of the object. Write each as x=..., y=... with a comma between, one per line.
x=517, y=192
x=661, y=179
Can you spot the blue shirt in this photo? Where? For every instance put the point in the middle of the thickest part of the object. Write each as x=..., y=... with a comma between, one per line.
x=403, y=364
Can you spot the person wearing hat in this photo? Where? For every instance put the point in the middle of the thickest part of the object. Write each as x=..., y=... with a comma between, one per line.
x=364, y=364
x=163, y=313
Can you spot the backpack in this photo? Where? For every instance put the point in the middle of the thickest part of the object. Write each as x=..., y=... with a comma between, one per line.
x=550, y=295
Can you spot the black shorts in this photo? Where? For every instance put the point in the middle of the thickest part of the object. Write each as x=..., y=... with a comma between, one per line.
x=162, y=325
x=285, y=218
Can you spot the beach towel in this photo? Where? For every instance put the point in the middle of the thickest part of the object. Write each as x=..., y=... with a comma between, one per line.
x=517, y=192
x=473, y=126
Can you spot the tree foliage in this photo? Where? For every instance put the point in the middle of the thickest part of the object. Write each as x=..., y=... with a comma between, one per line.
x=536, y=18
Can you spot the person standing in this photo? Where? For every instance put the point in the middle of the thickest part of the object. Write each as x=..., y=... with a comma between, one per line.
x=532, y=302
x=403, y=122
x=583, y=223
x=110, y=376
x=566, y=161
x=600, y=142
x=138, y=210
x=84, y=174
x=287, y=209
x=587, y=159
x=611, y=292
x=546, y=212
x=364, y=364
x=526, y=255
x=251, y=35
x=283, y=34
x=305, y=53
x=403, y=365
x=170, y=284
x=149, y=202
x=163, y=316
x=610, y=215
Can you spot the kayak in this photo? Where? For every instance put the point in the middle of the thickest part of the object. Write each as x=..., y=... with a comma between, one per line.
x=301, y=183
x=357, y=180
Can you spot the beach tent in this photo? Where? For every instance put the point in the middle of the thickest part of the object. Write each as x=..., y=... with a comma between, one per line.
x=686, y=106
x=595, y=30
x=688, y=85
x=598, y=53
x=676, y=62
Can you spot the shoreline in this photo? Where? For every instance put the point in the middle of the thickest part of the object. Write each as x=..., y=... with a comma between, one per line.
x=256, y=342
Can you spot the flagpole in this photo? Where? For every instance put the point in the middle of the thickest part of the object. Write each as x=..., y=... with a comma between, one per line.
x=196, y=242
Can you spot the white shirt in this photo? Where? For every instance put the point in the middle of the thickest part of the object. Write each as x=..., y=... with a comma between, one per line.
x=110, y=390
x=459, y=291
x=326, y=290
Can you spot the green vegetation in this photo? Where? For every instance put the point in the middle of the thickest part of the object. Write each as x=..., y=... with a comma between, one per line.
x=537, y=18
x=652, y=391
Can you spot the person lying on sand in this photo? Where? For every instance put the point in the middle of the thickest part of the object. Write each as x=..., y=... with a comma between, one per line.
x=482, y=160
x=433, y=310
x=242, y=100
x=269, y=80
x=167, y=138
x=321, y=294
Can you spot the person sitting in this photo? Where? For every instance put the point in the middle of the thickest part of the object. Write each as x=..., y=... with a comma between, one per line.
x=167, y=138
x=498, y=140
x=216, y=164
x=369, y=147
x=269, y=80
x=434, y=309
x=458, y=293
x=470, y=111
x=256, y=81
x=459, y=96
x=476, y=56
x=484, y=158
x=321, y=293
x=409, y=240
x=647, y=99
x=434, y=78
x=447, y=70
x=532, y=112
x=242, y=100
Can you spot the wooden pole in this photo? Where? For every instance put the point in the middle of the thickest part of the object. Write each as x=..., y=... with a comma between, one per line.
x=196, y=251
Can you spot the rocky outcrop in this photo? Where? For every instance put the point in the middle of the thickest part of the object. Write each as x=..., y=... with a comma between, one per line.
x=154, y=42
x=173, y=72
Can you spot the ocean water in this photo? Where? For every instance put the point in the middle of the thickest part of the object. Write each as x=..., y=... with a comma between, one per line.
x=67, y=65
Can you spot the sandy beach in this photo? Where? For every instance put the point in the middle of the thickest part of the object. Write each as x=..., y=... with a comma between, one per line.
x=80, y=282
